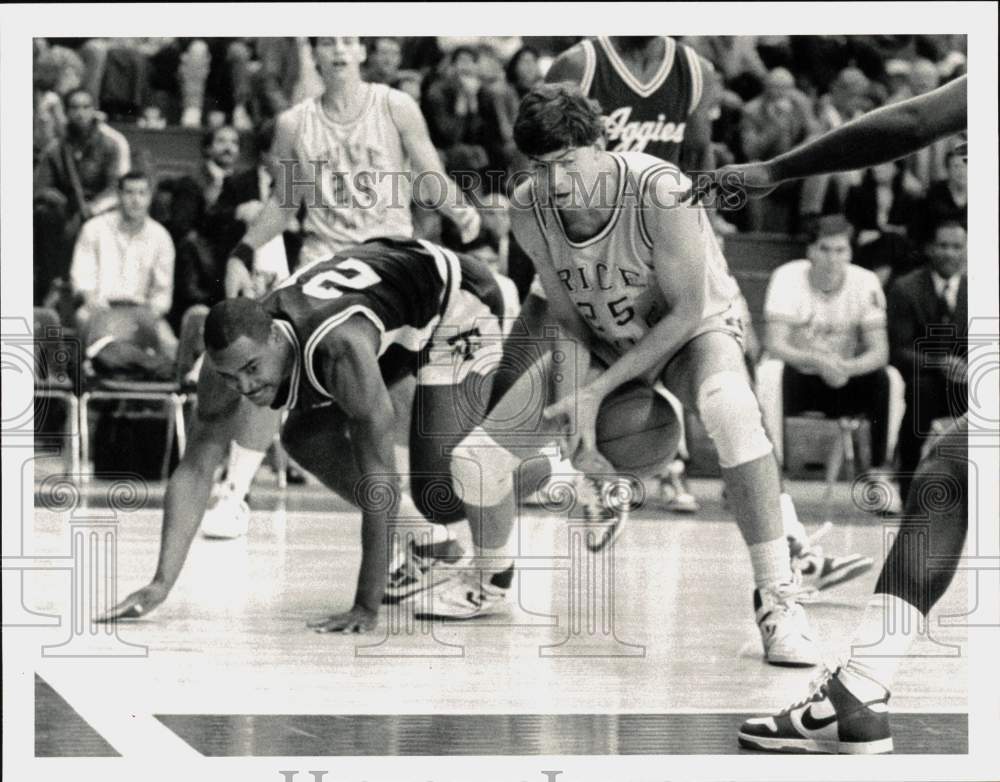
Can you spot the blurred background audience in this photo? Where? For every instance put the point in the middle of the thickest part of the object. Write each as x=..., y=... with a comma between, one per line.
x=197, y=116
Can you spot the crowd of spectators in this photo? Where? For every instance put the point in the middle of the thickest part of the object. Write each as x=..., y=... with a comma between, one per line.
x=92, y=222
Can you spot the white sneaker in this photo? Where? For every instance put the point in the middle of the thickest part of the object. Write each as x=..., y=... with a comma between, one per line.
x=227, y=519
x=844, y=712
x=784, y=627
x=191, y=117
x=605, y=506
x=468, y=596
x=817, y=571
x=242, y=120
x=417, y=568
x=674, y=492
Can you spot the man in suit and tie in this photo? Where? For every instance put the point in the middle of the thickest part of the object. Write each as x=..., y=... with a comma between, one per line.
x=928, y=337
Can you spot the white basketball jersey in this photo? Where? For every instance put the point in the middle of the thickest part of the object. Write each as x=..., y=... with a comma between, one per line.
x=361, y=174
x=610, y=277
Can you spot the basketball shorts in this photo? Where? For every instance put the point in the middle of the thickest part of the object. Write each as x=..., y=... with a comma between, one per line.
x=469, y=339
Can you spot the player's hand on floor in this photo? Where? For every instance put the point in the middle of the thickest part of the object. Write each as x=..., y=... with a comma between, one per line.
x=137, y=604
x=357, y=620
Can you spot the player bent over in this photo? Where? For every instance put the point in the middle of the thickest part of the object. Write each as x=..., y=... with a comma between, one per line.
x=635, y=276
x=327, y=344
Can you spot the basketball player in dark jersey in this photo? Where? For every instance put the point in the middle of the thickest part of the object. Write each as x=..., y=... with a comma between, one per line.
x=327, y=345
x=847, y=710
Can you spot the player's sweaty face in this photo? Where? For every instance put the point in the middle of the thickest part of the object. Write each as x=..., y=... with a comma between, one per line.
x=251, y=368
x=558, y=176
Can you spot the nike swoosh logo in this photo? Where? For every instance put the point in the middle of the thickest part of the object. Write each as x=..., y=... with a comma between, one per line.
x=811, y=723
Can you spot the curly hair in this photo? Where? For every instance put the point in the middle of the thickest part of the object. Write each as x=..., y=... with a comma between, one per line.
x=556, y=116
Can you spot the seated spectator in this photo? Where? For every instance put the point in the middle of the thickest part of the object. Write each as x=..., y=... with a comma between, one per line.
x=451, y=103
x=411, y=83
x=880, y=209
x=772, y=124
x=522, y=70
x=385, y=55
x=934, y=367
x=826, y=321
x=124, y=257
x=498, y=109
x=945, y=200
x=928, y=165
x=74, y=181
x=848, y=98
x=242, y=198
x=193, y=194
x=736, y=59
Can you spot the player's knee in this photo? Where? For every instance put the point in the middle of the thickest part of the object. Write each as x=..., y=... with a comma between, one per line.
x=482, y=470
x=731, y=416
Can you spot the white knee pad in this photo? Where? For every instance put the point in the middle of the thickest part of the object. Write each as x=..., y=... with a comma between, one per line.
x=731, y=416
x=482, y=470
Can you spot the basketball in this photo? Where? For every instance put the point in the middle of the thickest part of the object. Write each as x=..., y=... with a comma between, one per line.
x=637, y=430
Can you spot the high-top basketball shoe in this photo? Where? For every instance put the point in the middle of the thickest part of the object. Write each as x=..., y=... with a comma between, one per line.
x=846, y=712
x=784, y=627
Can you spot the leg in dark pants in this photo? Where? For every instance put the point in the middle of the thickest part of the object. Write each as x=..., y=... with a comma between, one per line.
x=866, y=395
x=442, y=416
x=930, y=397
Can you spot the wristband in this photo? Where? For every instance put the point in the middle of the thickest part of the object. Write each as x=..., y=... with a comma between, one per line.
x=245, y=253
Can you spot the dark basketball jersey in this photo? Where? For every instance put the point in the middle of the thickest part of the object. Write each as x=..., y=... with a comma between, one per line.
x=402, y=286
x=639, y=117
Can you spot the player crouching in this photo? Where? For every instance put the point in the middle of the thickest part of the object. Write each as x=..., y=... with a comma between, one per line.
x=636, y=279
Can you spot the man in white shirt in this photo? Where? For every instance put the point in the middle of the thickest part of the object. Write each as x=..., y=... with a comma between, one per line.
x=826, y=320
x=126, y=257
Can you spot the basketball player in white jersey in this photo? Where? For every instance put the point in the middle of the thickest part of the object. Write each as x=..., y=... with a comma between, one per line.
x=635, y=276
x=351, y=156
x=656, y=95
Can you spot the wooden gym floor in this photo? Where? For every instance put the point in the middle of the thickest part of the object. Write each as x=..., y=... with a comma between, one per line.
x=226, y=667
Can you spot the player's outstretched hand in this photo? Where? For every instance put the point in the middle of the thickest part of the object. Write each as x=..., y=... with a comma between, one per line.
x=238, y=280
x=734, y=184
x=357, y=620
x=137, y=604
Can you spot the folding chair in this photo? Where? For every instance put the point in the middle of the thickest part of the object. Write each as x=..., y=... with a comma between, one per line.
x=170, y=395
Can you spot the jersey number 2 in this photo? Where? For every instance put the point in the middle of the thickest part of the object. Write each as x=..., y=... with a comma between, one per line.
x=327, y=284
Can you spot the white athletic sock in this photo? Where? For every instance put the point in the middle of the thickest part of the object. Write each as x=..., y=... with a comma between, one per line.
x=888, y=629
x=441, y=533
x=242, y=467
x=790, y=520
x=770, y=561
